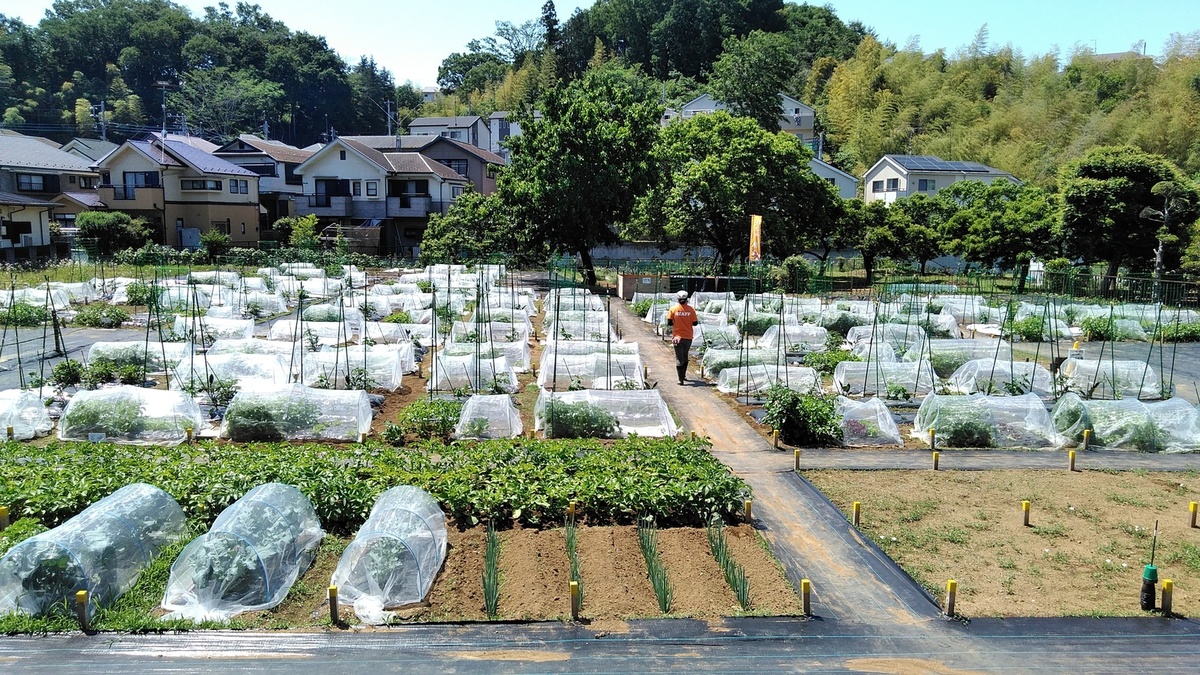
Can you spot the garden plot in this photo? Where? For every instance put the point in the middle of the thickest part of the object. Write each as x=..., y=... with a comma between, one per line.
x=155, y=357
x=25, y=413
x=900, y=337
x=205, y=329
x=495, y=331
x=312, y=332
x=997, y=378
x=898, y=380
x=715, y=361
x=357, y=368
x=948, y=355
x=130, y=415
x=197, y=373
x=1112, y=378
x=757, y=379
x=867, y=423
x=1165, y=426
x=291, y=353
x=592, y=371
x=518, y=354
x=979, y=421
x=471, y=373
x=715, y=337
x=489, y=416
x=794, y=338
x=603, y=414
x=296, y=412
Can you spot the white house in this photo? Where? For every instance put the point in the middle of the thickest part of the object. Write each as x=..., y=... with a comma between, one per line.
x=795, y=117
x=466, y=128
x=845, y=184
x=504, y=126
x=896, y=176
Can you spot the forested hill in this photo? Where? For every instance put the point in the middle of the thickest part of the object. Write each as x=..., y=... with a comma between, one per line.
x=234, y=69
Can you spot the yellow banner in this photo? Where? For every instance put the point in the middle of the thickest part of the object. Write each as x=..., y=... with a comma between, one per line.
x=755, y=238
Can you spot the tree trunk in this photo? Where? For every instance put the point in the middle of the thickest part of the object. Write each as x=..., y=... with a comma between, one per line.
x=589, y=267
x=1110, y=276
x=869, y=268
x=1022, y=273
x=923, y=263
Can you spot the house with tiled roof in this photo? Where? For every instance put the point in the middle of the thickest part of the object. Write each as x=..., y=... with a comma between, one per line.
x=897, y=176
x=380, y=200
x=33, y=173
x=181, y=190
x=479, y=166
x=275, y=162
x=471, y=129
x=91, y=149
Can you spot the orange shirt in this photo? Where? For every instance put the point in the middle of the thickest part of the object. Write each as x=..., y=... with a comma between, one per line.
x=682, y=318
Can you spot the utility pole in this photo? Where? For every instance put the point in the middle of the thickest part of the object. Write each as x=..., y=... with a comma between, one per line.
x=389, y=118
x=266, y=130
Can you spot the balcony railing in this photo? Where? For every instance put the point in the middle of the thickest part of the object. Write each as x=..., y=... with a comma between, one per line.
x=124, y=192
x=324, y=205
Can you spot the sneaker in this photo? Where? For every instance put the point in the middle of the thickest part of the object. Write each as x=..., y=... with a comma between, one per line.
x=683, y=382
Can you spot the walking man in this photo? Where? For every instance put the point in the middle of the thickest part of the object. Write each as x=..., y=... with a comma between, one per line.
x=682, y=319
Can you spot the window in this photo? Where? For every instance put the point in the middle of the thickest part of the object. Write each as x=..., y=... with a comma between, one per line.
x=30, y=182
x=341, y=154
x=86, y=182
x=243, y=228
x=459, y=166
x=72, y=180
x=204, y=184
x=372, y=188
x=142, y=178
x=492, y=170
x=457, y=191
x=876, y=186
x=237, y=186
x=267, y=170
x=356, y=187
x=893, y=184
x=927, y=185
x=289, y=175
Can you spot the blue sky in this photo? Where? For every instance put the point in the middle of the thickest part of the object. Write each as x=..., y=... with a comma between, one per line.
x=411, y=38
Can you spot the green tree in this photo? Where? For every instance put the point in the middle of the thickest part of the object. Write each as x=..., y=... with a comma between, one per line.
x=215, y=243
x=870, y=229
x=1179, y=200
x=113, y=230
x=371, y=86
x=577, y=171
x=474, y=229
x=226, y=103
x=470, y=71
x=717, y=171
x=1104, y=195
x=303, y=231
x=918, y=220
x=751, y=73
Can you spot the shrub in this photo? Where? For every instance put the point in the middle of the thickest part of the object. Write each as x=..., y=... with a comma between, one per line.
x=424, y=418
x=121, y=418
x=101, y=316
x=215, y=243
x=578, y=420
x=259, y=420
x=67, y=373
x=131, y=374
x=1029, y=329
x=24, y=315
x=825, y=362
x=113, y=230
x=1184, y=332
x=398, y=317
x=140, y=293
x=803, y=419
x=425, y=286
x=793, y=275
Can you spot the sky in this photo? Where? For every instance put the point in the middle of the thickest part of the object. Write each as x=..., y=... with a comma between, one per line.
x=411, y=37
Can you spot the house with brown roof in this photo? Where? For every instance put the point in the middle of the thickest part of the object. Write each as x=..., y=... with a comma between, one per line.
x=479, y=166
x=34, y=172
x=381, y=201
x=181, y=190
x=275, y=162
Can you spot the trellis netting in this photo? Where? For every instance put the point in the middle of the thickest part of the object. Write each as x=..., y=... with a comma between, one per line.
x=758, y=379
x=196, y=373
x=130, y=416
x=716, y=360
x=249, y=558
x=395, y=556
x=592, y=371
x=353, y=368
x=208, y=329
x=980, y=421
x=1112, y=378
x=795, y=338
x=594, y=413
x=25, y=412
x=155, y=357
x=517, y=353
x=873, y=351
x=997, y=378
x=471, y=373
x=318, y=332
x=867, y=422
x=948, y=355
x=1128, y=424
x=859, y=378
x=102, y=550
x=84, y=291
x=295, y=412
x=489, y=416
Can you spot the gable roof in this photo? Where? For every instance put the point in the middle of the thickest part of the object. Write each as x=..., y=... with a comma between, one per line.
x=457, y=122
x=194, y=141
x=485, y=155
x=27, y=152
x=827, y=165
x=89, y=148
x=931, y=164
x=204, y=161
x=151, y=149
x=89, y=200
x=395, y=162
x=276, y=150
x=10, y=199
x=391, y=144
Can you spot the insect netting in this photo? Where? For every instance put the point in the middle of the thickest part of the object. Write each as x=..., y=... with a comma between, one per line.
x=196, y=328
x=1001, y=377
x=592, y=371
x=517, y=353
x=900, y=336
x=981, y=421
x=947, y=355
x=355, y=368
x=315, y=332
x=25, y=412
x=758, y=379
x=296, y=412
x=1111, y=378
x=891, y=379
x=130, y=416
x=594, y=413
x=479, y=374
x=489, y=416
x=290, y=352
x=1127, y=424
x=795, y=338
x=155, y=357
x=197, y=372
x=867, y=423
x=716, y=360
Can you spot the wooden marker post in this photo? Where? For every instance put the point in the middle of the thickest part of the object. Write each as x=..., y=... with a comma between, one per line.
x=805, y=596
x=749, y=511
x=932, y=439
x=575, y=600
x=1025, y=512
x=1192, y=514
x=1087, y=439
x=81, y=611
x=951, y=591
x=796, y=463
x=4, y=518
x=11, y=433
x=936, y=456
x=1071, y=461
x=855, y=512
x=333, y=606
x=775, y=438
x=1168, y=588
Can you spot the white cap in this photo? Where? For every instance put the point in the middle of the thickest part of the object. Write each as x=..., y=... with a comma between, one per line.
x=682, y=295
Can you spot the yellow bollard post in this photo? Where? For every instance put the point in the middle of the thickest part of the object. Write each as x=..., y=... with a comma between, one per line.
x=11, y=433
x=3, y=518
x=1087, y=439
x=1025, y=512
x=855, y=510
x=81, y=611
x=936, y=456
x=775, y=438
x=951, y=591
x=333, y=605
x=805, y=596
x=1168, y=587
x=575, y=600
x=1071, y=460
x=362, y=438
x=749, y=511
x=645, y=372
x=571, y=510
x=692, y=435
x=932, y=439
x=190, y=433
x=1192, y=514
x=796, y=460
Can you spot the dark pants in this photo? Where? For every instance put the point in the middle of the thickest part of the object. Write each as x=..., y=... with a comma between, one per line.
x=681, y=358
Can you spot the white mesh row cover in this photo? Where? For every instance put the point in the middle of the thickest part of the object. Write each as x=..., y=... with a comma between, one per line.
x=260, y=369
x=510, y=301
x=795, y=338
x=327, y=313
x=473, y=374
x=469, y=331
x=195, y=327
x=401, y=350
x=867, y=423
x=901, y=336
x=266, y=304
x=758, y=379
x=230, y=279
x=969, y=309
x=1112, y=378
x=1164, y=426
x=489, y=416
x=637, y=412
x=870, y=350
x=947, y=354
x=343, y=368
x=517, y=353
x=372, y=307
x=1000, y=378
x=102, y=550
x=320, y=288
x=560, y=299
x=393, y=288
x=117, y=289
x=156, y=357
x=296, y=412
x=592, y=371
x=716, y=360
x=979, y=421
x=25, y=412
x=38, y=297
x=84, y=291
x=394, y=557
x=325, y=333
x=715, y=337
x=422, y=335
x=288, y=268
x=130, y=416
x=290, y=352
x=857, y=378
x=257, y=283
x=552, y=347
x=249, y=558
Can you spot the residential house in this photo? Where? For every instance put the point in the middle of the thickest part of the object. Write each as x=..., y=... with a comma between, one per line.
x=480, y=167
x=845, y=184
x=795, y=117
x=91, y=149
x=33, y=173
x=430, y=94
x=466, y=128
x=275, y=162
x=503, y=126
x=381, y=201
x=896, y=176
x=181, y=191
